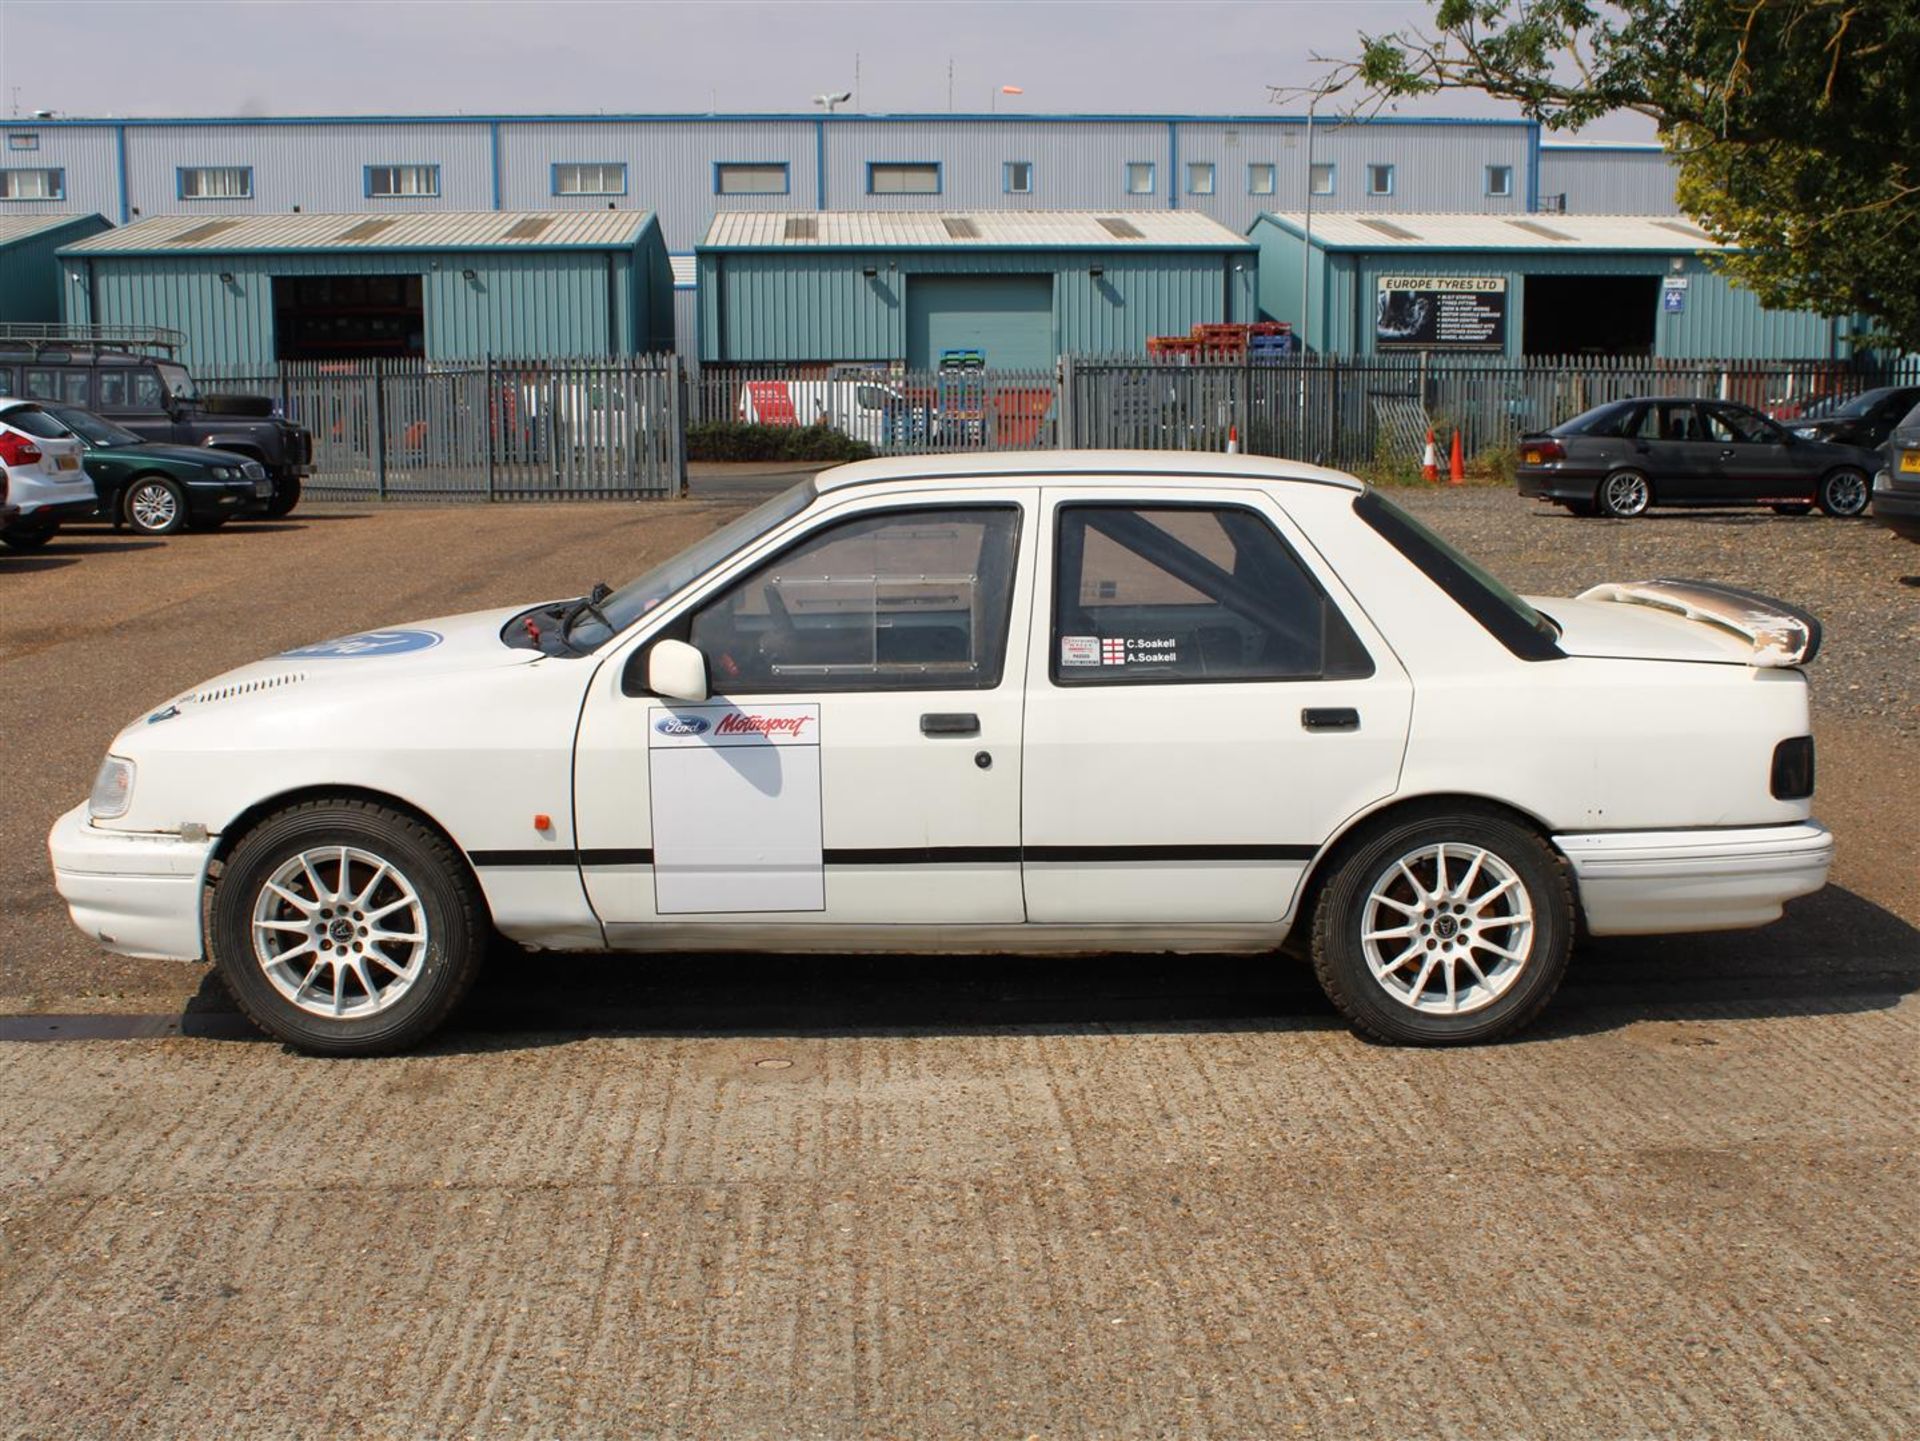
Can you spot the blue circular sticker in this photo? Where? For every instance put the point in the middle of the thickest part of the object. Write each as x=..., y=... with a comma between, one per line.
x=372, y=642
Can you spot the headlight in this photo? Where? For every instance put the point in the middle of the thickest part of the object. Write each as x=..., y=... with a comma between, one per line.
x=224, y=472
x=112, y=789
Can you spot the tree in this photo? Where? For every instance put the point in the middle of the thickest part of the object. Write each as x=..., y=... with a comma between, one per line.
x=1794, y=124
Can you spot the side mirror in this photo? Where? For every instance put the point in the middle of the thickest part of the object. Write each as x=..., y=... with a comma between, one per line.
x=677, y=671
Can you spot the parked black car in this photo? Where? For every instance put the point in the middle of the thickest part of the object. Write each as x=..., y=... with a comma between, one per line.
x=1866, y=420
x=1620, y=458
x=154, y=396
x=156, y=488
x=1896, y=487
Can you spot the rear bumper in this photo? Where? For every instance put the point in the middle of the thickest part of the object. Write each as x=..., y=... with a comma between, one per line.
x=1899, y=508
x=134, y=892
x=37, y=512
x=1559, y=486
x=1636, y=883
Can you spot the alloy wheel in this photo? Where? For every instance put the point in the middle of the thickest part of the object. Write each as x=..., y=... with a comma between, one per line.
x=340, y=932
x=1446, y=929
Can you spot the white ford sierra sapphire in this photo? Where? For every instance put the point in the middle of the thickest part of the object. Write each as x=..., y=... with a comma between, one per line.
x=1081, y=702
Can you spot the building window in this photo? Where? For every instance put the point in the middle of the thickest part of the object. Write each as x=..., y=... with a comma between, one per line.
x=215, y=182
x=1260, y=179
x=1321, y=180
x=1500, y=180
x=1379, y=180
x=1200, y=177
x=890, y=177
x=1016, y=177
x=33, y=185
x=593, y=177
x=1139, y=177
x=745, y=177
x=28, y=141
x=402, y=180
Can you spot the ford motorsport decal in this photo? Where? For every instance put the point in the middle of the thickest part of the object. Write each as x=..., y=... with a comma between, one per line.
x=721, y=725
x=682, y=725
x=369, y=643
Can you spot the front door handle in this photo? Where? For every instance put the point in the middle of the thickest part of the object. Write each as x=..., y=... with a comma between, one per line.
x=950, y=723
x=1330, y=718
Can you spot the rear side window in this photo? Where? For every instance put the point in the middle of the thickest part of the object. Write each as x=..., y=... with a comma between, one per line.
x=32, y=420
x=1152, y=594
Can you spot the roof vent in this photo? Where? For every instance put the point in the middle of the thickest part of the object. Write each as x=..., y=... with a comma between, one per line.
x=1120, y=229
x=529, y=229
x=366, y=229
x=960, y=228
x=1545, y=232
x=802, y=227
x=202, y=232
x=1390, y=230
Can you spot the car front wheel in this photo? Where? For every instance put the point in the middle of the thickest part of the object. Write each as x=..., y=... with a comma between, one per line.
x=345, y=928
x=155, y=506
x=1844, y=493
x=1444, y=930
x=1624, y=494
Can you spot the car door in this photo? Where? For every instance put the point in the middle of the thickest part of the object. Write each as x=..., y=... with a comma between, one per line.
x=858, y=759
x=1666, y=444
x=1752, y=456
x=1205, y=706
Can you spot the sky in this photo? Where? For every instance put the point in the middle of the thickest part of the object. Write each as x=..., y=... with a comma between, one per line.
x=344, y=57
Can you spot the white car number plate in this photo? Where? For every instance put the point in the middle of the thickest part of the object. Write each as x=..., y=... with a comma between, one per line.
x=66, y=462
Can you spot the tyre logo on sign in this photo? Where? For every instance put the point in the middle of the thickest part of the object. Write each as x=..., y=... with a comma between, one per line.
x=674, y=725
x=372, y=642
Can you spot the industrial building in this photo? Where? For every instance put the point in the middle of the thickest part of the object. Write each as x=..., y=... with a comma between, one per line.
x=29, y=265
x=1016, y=289
x=249, y=291
x=1547, y=284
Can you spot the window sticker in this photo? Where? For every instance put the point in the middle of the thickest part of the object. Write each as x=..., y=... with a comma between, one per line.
x=1139, y=650
x=1079, y=650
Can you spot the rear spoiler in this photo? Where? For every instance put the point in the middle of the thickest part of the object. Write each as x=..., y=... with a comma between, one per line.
x=1780, y=634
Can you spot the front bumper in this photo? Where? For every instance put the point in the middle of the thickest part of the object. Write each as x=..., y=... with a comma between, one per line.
x=209, y=498
x=1637, y=883
x=135, y=892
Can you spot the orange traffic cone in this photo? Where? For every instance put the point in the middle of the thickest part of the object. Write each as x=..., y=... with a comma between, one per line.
x=1430, y=462
x=1233, y=440
x=1456, y=463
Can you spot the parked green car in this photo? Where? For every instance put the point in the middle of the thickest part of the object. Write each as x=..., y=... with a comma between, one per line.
x=157, y=488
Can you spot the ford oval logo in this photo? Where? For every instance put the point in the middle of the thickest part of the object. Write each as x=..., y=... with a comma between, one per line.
x=682, y=725
x=370, y=643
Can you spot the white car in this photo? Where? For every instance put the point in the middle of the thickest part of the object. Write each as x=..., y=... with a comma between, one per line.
x=46, y=481
x=1079, y=702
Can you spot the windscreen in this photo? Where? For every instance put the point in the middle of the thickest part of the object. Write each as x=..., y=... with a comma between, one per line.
x=179, y=384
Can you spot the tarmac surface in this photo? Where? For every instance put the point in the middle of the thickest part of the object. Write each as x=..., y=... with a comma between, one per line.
x=779, y=1196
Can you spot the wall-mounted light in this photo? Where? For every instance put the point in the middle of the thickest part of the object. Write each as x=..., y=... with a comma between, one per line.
x=469, y=276
x=1094, y=272
x=226, y=277
x=871, y=272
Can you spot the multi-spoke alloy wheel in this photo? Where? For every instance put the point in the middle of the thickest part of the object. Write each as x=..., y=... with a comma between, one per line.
x=346, y=928
x=1845, y=493
x=1443, y=928
x=156, y=507
x=1625, y=494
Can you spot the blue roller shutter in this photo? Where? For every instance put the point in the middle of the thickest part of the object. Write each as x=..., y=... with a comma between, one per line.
x=1008, y=317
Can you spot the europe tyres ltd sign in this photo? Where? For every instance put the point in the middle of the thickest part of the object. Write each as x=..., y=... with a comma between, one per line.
x=1441, y=312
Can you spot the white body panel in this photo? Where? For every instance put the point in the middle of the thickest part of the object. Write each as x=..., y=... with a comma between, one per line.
x=1642, y=747
x=59, y=477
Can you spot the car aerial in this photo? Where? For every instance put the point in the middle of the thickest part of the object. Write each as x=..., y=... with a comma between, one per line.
x=137, y=384
x=1077, y=702
x=157, y=489
x=1866, y=420
x=1896, y=485
x=1623, y=457
x=45, y=482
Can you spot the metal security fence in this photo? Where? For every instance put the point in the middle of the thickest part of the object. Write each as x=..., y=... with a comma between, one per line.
x=496, y=430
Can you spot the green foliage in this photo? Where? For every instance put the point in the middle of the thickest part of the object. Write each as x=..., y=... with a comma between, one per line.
x=1795, y=124
x=732, y=440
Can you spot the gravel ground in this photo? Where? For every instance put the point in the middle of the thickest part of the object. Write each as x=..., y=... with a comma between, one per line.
x=786, y=1197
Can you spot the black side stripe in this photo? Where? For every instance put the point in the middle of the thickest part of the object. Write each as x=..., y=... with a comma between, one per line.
x=928, y=855
x=562, y=856
x=922, y=855
x=1175, y=854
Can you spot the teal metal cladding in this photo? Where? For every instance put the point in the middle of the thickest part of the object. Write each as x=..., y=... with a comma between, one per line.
x=30, y=274
x=792, y=305
x=524, y=304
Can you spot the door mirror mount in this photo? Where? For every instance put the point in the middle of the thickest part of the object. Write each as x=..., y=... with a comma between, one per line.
x=677, y=671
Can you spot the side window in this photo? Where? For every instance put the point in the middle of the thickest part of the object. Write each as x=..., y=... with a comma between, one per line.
x=41, y=383
x=147, y=391
x=1671, y=420
x=1189, y=593
x=111, y=389
x=902, y=600
x=1734, y=427
x=76, y=387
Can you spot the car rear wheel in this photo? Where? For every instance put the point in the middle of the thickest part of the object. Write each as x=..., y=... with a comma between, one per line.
x=345, y=928
x=155, y=506
x=1624, y=494
x=30, y=536
x=1845, y=493
x=1444, y=929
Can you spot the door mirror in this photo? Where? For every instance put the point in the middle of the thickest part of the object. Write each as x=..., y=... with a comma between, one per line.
x=677, y=671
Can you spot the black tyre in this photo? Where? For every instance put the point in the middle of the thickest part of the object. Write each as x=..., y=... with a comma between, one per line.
x=286, y=495
x=29, y=536
x=345, y=928
x=155, y=505
x=1845, y=493
x=1624, y=494
x=1797, y=508
x=1444, y=929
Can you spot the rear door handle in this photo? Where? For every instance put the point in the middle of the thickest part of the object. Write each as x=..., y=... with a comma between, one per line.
x=1330, y=718
x=950, y=723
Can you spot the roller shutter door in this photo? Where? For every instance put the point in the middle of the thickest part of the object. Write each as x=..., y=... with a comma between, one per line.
x=1009, y=317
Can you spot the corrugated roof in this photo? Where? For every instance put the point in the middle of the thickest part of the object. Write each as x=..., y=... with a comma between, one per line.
x=19, y=227
x=1345, y=230
x=974, y=229
x=432, y=230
